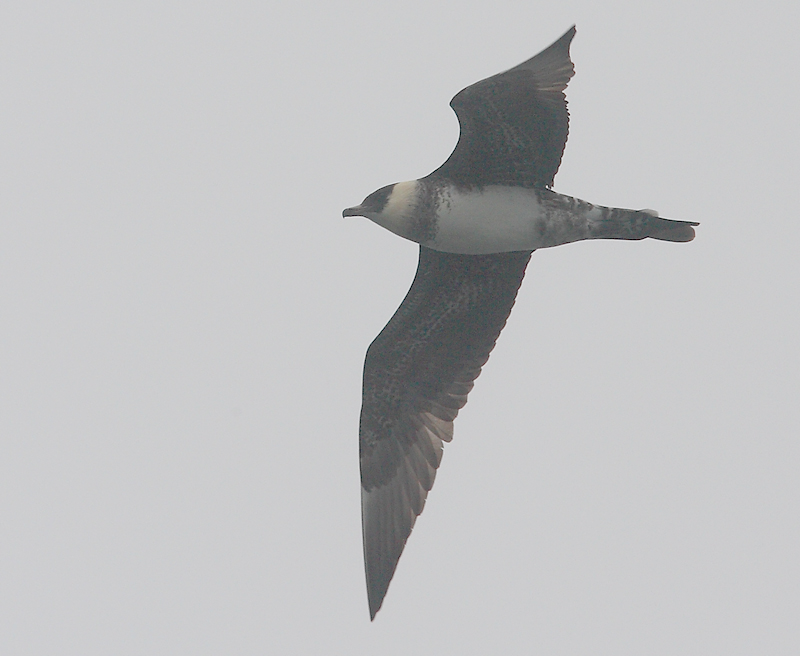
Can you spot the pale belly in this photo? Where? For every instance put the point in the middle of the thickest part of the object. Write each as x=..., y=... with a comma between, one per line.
x=503, y=219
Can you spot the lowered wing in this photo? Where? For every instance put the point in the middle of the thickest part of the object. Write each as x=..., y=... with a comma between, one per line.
x=417, y=375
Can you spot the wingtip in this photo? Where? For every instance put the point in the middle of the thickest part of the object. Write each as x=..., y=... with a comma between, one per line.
x=376, y=590
x=567, y=37
x=373, y=609
x=375, y=595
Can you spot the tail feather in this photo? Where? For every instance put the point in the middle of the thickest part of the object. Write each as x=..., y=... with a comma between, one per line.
x=670, y=230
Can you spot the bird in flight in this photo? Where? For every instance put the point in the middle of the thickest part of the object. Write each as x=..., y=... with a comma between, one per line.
x=477, y=219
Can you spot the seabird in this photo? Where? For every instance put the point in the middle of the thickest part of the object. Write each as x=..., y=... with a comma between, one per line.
x=477, y=219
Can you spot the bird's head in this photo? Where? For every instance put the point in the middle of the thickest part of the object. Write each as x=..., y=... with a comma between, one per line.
x=372, y=205
x=391, y=207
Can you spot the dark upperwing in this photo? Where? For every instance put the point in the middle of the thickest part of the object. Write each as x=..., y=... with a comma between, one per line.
x=514, y=125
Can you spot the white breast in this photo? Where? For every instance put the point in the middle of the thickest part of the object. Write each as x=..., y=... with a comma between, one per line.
x=493, y=220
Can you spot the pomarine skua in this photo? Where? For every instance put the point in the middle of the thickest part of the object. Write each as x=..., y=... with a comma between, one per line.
x=477, y=219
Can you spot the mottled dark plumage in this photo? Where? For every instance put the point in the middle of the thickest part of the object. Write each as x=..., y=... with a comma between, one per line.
x=417, y=375
x=514, y=125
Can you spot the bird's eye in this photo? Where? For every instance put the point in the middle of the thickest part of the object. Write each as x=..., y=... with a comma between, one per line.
x=377, y=200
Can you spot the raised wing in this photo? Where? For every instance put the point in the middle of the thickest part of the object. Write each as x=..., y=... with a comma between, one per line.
x=514, y=125
x=417, y=375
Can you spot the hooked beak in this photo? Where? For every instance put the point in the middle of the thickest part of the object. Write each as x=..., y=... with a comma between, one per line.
x=352, y=211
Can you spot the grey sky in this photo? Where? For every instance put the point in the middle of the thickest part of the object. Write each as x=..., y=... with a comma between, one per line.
x=184, y=316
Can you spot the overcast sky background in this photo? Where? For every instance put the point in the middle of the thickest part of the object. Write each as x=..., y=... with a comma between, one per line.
x=184, y=316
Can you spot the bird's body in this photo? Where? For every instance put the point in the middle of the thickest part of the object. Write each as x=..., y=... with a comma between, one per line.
x=477, y=219
x=453, y=219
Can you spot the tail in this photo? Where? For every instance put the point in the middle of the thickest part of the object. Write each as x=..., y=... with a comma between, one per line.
x=668, y=229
